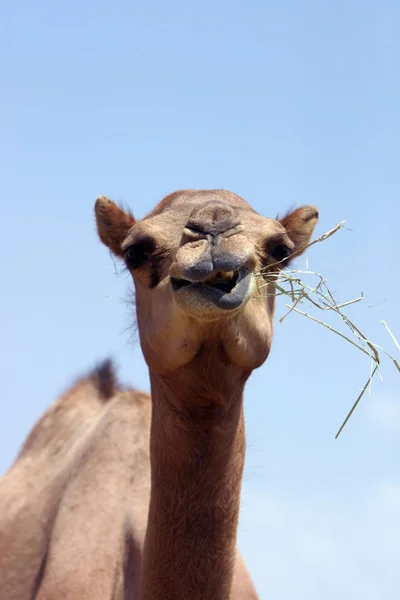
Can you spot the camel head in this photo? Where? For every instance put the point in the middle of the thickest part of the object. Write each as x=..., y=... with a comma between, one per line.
x=193, y=260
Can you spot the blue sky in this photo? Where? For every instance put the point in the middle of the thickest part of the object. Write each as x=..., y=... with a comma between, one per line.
x=285, y=104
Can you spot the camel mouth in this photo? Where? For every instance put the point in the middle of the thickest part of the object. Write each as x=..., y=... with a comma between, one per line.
x=226, y=290
x=225, y=282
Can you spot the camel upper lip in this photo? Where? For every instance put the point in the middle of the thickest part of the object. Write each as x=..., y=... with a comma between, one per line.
x=225, y=290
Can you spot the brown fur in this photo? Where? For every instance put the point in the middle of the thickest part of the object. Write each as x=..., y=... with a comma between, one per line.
x=113, y=221
x=119, y=496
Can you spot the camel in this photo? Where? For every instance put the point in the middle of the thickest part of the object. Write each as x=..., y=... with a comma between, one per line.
x=118, y=495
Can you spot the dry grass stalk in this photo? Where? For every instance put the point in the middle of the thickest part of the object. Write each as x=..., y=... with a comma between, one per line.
x=291, y=284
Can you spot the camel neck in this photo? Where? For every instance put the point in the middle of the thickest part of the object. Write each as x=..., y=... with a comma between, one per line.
x=197, y=457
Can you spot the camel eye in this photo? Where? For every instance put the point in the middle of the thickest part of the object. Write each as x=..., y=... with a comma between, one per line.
x=139, y=252
x=280, y=252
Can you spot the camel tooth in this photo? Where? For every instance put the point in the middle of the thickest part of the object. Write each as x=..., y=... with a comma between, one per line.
x=224, y=276
x=227, y=275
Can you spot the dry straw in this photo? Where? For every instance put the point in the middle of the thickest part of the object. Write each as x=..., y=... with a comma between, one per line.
x=291, y=284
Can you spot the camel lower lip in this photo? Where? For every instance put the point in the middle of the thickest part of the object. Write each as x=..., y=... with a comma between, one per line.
x=210, y=294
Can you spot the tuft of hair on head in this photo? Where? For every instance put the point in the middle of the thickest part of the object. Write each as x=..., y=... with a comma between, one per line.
x=104, y=378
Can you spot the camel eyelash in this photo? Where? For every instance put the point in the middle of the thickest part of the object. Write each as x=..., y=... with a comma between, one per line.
x=280, y=252
x=276, y=253
x=139, y=252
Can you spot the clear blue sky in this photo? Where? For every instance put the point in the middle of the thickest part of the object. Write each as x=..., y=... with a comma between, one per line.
x=283, y=103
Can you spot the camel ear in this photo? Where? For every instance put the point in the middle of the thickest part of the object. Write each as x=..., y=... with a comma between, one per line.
x=112, y=223
x=299, y=226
